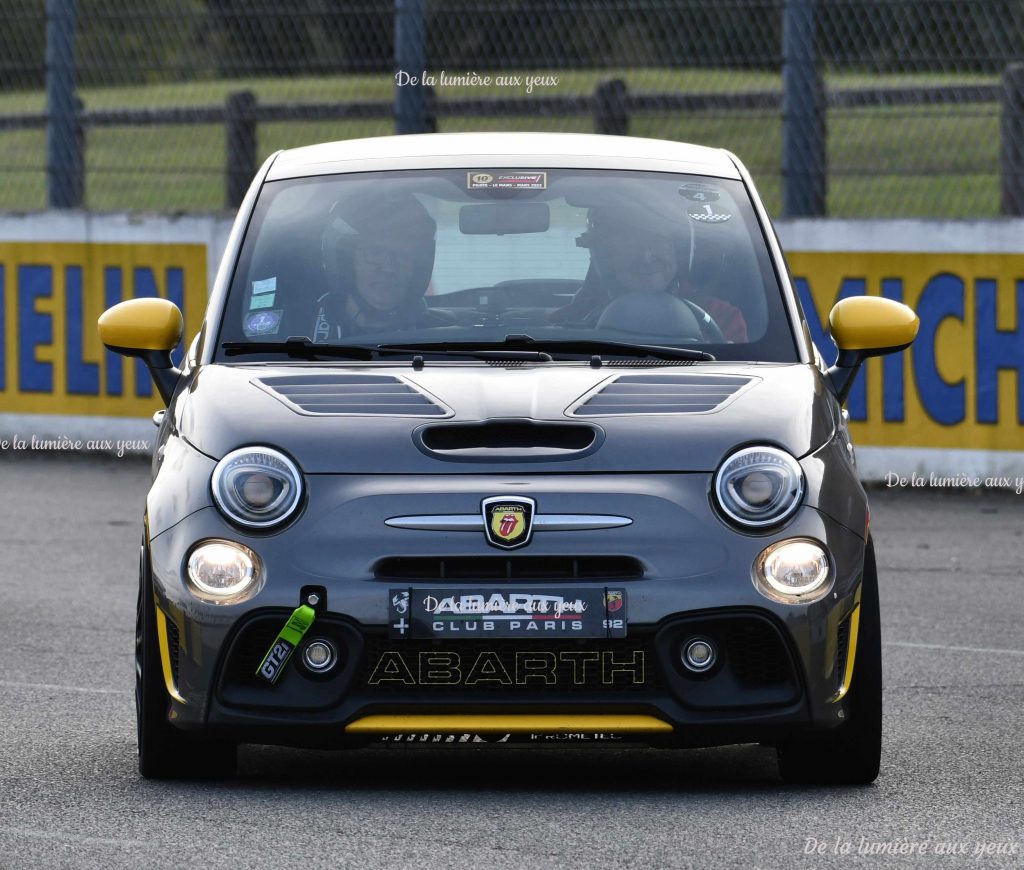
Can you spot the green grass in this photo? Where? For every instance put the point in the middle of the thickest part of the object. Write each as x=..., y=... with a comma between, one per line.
x=928, y=161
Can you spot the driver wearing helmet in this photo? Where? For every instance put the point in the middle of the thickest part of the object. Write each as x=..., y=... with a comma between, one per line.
x=378, y=256
x=633, y=251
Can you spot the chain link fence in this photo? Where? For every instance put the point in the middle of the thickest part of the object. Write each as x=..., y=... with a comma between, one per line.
x=898, y=107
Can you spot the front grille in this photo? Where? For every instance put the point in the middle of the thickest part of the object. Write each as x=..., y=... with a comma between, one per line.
x=508, y=667
x=416, y=568
x=755, y=667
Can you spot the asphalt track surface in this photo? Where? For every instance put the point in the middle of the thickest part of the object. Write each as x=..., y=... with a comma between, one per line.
x=70, y=794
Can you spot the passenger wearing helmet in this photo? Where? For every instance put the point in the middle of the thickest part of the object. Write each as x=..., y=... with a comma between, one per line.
x=632, y=250
x=378, y=256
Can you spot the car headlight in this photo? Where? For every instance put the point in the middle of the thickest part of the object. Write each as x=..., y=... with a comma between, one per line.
x=223, y=572
x=257, y=487
x=759, y=486
x=793, y=571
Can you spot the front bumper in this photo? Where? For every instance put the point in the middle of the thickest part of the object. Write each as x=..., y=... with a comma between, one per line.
x=782, y=666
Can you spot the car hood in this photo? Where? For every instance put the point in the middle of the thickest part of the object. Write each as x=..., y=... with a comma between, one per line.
x=476, y=418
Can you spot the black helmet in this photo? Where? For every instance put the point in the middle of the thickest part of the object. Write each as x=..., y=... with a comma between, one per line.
x=611, y=223
x=363, y=218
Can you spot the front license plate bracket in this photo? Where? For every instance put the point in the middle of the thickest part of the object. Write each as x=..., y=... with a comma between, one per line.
x=489, y=612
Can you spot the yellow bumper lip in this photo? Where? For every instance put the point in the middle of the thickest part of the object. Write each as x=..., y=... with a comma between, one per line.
x=515, y=723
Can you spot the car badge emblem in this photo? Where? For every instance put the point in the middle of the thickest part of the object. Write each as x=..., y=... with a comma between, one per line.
x=613, y=601
x=401, y=603
x=508, y=520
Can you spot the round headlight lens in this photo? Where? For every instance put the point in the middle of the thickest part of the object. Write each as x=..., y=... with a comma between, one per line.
x=257, y=487
x=220, y=571
x=759, y=486
x=793, y=571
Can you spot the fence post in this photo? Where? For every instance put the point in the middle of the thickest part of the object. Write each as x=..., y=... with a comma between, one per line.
x=611, y=115
x=64, y=167
x=804, y=160
x=78, y=161
x=240, y=117
x=410, y=59
x=1011, y=152
x=429, y=109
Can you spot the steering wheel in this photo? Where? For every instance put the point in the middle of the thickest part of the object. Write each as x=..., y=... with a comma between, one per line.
x=709, y=329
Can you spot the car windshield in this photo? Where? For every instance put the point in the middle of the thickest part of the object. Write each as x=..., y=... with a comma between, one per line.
x=486, y=257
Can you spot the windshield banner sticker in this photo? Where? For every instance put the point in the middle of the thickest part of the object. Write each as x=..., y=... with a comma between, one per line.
x=709, y=214
x=264, y=300
x=697, y=192
x=506, y=180
x=469, y=613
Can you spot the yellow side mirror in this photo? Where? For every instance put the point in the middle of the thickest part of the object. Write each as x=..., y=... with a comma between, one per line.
x=141, y=325
x=146, y=328
x=864, y=326
x=872, y=326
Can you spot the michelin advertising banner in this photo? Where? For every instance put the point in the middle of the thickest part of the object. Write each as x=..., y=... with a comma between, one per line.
x=59, y=387
x=952, y=405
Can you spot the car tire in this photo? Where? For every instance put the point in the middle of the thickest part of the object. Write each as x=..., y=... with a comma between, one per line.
x=851, y=754
x=165, y=752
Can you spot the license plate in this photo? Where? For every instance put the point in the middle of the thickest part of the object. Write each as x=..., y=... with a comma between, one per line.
x=487, y=612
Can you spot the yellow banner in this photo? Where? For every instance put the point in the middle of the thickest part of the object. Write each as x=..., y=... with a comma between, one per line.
x=961, y=385
x=51, y=294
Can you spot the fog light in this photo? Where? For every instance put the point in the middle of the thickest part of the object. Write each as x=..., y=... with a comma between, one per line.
x=698, y=654
x=222, y=571
x=319, y=655
x=793, y=571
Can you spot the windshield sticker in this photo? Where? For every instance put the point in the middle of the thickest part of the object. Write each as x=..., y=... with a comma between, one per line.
x=262, y=322
x=709, y=214
x=264, y=300
x=506, y=180
x=267, y=285
x=697, y=192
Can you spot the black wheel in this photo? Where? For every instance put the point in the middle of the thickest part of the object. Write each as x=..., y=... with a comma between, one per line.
x=164, y=751
x=849, y=755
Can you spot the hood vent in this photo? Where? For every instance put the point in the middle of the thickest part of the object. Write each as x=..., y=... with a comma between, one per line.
x=344, y=394
x=660, y=394
x=508, y=441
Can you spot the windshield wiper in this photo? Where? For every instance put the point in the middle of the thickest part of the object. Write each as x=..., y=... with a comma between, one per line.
x=610, y=348
x=299, y=348
x=605, y=348
x=489, y=352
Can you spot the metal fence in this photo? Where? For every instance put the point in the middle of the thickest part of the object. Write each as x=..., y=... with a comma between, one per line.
x=849, y=108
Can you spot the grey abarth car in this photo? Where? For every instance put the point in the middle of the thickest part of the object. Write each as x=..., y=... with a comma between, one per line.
x=506, y=437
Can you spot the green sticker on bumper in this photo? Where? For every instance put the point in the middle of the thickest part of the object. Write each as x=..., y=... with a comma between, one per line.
x=284, y=644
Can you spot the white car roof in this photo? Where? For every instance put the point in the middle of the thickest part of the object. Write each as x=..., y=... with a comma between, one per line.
x=502, y=150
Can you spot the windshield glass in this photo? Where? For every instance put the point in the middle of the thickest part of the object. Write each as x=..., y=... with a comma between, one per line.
x=472, y=256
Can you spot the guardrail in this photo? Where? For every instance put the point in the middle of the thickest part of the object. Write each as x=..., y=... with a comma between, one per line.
x=611, y=106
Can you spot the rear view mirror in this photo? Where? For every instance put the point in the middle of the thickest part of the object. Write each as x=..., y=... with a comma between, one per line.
x=504, y=218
